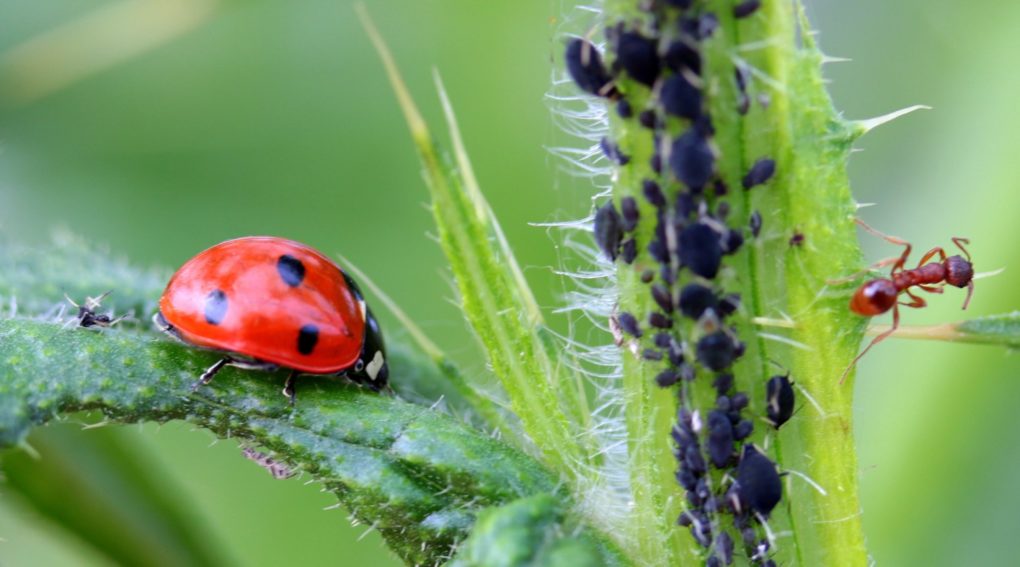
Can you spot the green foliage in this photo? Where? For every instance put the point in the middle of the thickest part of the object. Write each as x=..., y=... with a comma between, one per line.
x=78, y=476
x=529, y=531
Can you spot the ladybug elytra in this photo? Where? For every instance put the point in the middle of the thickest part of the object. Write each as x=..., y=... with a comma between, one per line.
x=270, y=302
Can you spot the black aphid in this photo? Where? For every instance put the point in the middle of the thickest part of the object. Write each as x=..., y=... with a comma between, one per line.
x=742, y=76
x=779, y=400
x=684, y=207
x=758, y=484
x=623, y=109
x=680, y=98
x=663, y=297
x=720, y=188
x=723, y=383
x=676, y=358
x=659, y=321
x=716, y=351
x=797, y=239
x=639, y=57
x=629, y=324
x=608, y=230
x=707, y=24
x=693, y=459
x=612, y=152
x=663, y=340
x=733, y=241
x=647, y=119
x=682, y=55
x=700, y=250
x=724, y=547
x=628, y=251
x=668, y=273
x=728, y=304
x=653, y=193
x=760, y=172
x=658, y=251
x=746, y=8
x=648, y=275
x=629, y=211
x=651, y=354
x=722, y=403
x=755, y=224
x=691, y=159
x=739, y=401
x=682, y=4
x=720, y=438
x=743, y=429
x=695, y=299
x=667, y=378
x=585, y=66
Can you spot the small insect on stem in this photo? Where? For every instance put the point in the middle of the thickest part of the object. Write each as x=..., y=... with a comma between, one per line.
x=879, y=295
x=87, y=316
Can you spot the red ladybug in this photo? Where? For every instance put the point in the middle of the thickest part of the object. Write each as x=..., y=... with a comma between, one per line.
x=271, y=302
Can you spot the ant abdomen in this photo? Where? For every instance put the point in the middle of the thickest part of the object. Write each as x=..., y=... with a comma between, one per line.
x=874, y=298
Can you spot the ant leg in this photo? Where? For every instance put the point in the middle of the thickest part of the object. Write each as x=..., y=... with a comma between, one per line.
x=875, y=341
x=858, y=275
x=959, y=242
x=915, y=302
x=892, y=239
x=931, y=253
x=970, y=292
x=931, y=288
x=210, y=372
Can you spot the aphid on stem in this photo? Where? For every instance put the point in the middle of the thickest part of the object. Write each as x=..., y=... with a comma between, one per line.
x=879, y=295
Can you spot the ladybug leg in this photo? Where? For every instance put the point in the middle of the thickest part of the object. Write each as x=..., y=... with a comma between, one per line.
x=289, y=388
x=210, y=372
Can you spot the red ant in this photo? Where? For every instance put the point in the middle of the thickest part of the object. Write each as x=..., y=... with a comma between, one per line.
x=879, y=295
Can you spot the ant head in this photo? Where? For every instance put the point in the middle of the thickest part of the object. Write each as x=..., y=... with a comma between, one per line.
x=959, y=272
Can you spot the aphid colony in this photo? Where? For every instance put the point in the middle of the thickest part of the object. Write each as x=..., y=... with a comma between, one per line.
x=719, y=470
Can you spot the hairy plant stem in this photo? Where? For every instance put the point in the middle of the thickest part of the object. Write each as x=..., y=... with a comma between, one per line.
x=809, y=195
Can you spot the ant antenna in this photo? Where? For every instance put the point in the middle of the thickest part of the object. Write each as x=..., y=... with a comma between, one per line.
x=959, y=242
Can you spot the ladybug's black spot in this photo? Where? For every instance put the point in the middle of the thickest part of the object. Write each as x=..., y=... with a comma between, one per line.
x=215, y=307
x=307, y=337
x=292, y=271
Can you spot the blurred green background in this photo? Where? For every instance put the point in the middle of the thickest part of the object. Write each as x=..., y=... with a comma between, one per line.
x=274, y=117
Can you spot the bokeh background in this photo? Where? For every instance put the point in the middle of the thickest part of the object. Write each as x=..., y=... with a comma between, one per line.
x=274, y=117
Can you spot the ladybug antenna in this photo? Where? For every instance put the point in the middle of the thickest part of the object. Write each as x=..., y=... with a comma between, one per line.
x=959, y=242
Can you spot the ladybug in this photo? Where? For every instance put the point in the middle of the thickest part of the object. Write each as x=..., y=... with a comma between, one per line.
x=274, y=303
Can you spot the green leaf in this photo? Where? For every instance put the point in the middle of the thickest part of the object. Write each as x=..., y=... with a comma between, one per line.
x=996, y=329
x=1002, y=330
x=416, y=475
x=496, y=298
x=95, y=485
x=529, y=531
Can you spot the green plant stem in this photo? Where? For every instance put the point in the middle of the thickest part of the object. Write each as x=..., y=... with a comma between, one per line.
x=809, y=194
